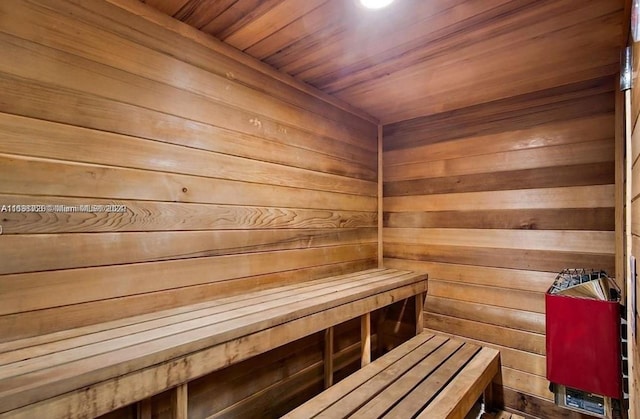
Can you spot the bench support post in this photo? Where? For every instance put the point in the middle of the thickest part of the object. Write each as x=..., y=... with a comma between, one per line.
x=144, y=409
x=365, y=339
x=419, y=313
x=488, y=398
x=328, y=357
x=179, y=402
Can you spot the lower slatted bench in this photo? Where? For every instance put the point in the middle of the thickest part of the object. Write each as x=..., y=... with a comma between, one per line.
x=429, y=376
x=92, y=370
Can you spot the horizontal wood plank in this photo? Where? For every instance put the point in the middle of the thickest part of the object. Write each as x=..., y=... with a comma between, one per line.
x=516, y=339
x=509, y=357
x=589, y=153
x=429, y=371
x=39, y=290
x=353, y=382
x=69, y=251
x=514, y=318
x=600, y=196
x=569, y=241
x=534, y=260
x=24, y=136
x=598, y=219
x=138, y=61
x=475, y=196
x=525, y=280
x=136, y=387
x=548, y=177
x=535, y=406
x=491, y=296
x=165, y=216
x=531, y=384
x=590, y=128
x=463, y=391
x=173, y=322
x=34, y=176
x=446, y=372
x=109, y=115
x=30, y=326
x=257, y=73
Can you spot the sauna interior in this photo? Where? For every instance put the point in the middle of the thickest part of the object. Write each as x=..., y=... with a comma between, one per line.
x=240, y=208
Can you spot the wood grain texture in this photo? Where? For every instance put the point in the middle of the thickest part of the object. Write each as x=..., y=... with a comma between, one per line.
x=517, y=300
x=534, y=406
x=525, y=111
x=151, y=216
x=598, y=196
x=631, y=214
x=430, y=141
x=109, y=115
x=493, y=201
x=429, y=374
x=548, y=177
x=62, y=142
x=590, y=219
x=558, y=240
x=39, y=290
x=509, y=357
x=525, y=280
x=193, y=46
x=28, y=326
x=141, y=384
x=252, y=385
x=537, y=260
x=214, y=156
x=593, y=153
x=35, y=176
x=70, y=251
x=423, y=58
x=132, y=57
x=515, y=318
x=504, y=336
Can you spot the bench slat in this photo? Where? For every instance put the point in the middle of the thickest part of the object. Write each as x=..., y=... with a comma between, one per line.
x=111, y=394
x=88, y=331
x=415, y=400
x=84, y=367
x=384, y=381
x=329, y=397
x=431, y=375
x=103, y=342
x=466, y=388
x=217, y=328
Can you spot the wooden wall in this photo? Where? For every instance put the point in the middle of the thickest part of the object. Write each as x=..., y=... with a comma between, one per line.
x=493, y=201
x=634, y=245
x=232, y=176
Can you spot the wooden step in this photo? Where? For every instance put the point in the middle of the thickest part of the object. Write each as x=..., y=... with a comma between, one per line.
x=430, y=376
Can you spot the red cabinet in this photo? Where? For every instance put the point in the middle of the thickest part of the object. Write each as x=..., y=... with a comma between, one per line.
x=583, y=344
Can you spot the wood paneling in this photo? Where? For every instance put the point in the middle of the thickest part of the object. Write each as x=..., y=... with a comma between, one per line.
x=493, y=222
x=417, y=58
x=632, y=212
x=532, y=405
x=241, y=389
x=231, y=177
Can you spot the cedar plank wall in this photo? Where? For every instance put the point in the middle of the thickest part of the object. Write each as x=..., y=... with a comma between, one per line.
x=493, y=201
x=635, y=215
x=231, y=178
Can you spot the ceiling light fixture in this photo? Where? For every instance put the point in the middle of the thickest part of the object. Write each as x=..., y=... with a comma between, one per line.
x=375, y=4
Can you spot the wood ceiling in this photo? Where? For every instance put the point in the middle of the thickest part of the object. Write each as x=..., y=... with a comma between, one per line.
x=419, y=57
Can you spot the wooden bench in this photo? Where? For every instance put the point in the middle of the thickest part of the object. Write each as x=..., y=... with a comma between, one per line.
x=92, y=370
x=429, y=376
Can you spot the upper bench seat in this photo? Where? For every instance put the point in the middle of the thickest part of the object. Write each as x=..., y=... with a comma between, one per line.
x=89, y=371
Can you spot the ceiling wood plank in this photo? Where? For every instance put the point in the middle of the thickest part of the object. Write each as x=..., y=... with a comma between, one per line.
x=418, y=58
